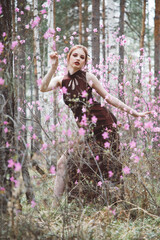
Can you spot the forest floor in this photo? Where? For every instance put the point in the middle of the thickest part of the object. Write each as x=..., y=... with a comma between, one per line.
x=75, y=220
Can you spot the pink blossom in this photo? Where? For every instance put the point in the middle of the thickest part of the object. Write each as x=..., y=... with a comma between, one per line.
x=5, y=122
x=27, y=26
x=7, y=145
x=95, y=30
x=17, y=167
x=97, y=157
x=44, y=146
x=78, y=170
x=1, y=47
x=1, y=81
x=148, y=125
x=53, y=127
x=30, y=128
x=58, y=29
x=57, y=0
x=0, y=9
x=19, y=19
x=110, y=174
x=22, y=41
x=52, y=170
x=6, y=130
x=84, y=94
x=22, y=13
x=90, y=101
x=14, y=44
x=2, y=190
x=43, y=11
x=34, y=136
x=27, y=8
x=126, y=126
x=12, y=179
x=82, y=131
x=99, y=184
x=106, y=144
x=66, y=49
x=64, y=90
x=39, y=81
x=126, y=170
x=4, y=34
x=48, y=2
x=76, y=182
x=10, y=163
x=69, y=133
x=87, y=29
x=105, y=135
x=94, y=119
x=132, y=144
x=16, y=9
x=74, y=33
x=33, y=204
x=47, y=117
x=35, y=22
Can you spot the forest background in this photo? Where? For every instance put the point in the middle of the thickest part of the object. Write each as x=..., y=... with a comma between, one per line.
x=123, y=39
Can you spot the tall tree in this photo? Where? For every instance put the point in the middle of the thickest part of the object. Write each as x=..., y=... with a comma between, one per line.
x=6, y=105
x=103, y=30
x=85, y=23
x=157, y=49
x=121, y=51
x=80, y=21
x=142, y=42
x=95, y=32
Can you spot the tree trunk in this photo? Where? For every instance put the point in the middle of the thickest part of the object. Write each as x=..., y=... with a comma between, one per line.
x=121, y=52
x=157, y=49
x=95, y=32
x=6, y=108
x=142, y=43
x=37, y=75
x=80, y=21
x=86, y=24
x=103, y=31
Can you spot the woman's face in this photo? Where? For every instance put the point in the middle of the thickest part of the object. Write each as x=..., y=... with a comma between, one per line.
x=77, y=58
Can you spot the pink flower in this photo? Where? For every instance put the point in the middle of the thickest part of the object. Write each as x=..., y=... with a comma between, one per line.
x=0, y=9
x=105, y=135
x=76, y=182
x=82, y=131
x=35, y=22
x=47, y=117
x=126, y=170
x=1, y=47
x=5, y=122
x=7, y=145
x=110, y=174
x=34, y=136
x=44, y=146
x=23, y=127
x=14, y=44
x=12, y=179
x=94, y=119
x=43, y=11
x=16, y=9
x=30, y=128
x=66, y=49
x=99, y=184
x=27, y=26
x=58, y=29
x=84, y=94
x=95, y=30
x=39, y=81
x=33, y=204
x=1, y=81
x=10, y=163
x=19, y=19
x=78, y=170
x=22, y=13
x=17, y=167
x=148, y=125
x=126, y=126
x=106, y=144
x=4, y=34
x=132, y=144
x=97, y=157
x=6, y=130
x=27, y=8
x=52, y=170
x=64, y=90
x=69, y=133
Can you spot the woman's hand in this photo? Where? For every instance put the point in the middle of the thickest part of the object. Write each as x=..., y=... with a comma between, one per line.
x=54, y=59
x=143, y=114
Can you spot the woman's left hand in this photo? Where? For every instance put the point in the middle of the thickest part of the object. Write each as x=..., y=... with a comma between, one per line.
x=143, y=114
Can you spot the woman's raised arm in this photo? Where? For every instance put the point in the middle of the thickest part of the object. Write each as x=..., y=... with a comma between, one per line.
x=91, y=78
x=47, y=83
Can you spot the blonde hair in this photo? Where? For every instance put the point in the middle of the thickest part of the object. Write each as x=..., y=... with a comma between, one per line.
x=74, y=48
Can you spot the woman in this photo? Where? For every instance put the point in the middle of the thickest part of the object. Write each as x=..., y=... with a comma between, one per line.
x=94, y=120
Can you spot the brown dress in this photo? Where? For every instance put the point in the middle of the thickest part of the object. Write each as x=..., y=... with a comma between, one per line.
x=92, y=159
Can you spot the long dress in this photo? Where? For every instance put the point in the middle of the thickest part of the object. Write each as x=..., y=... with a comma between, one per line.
x=96, y=160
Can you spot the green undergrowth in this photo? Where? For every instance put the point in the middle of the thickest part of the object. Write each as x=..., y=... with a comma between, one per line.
x=76, y=220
